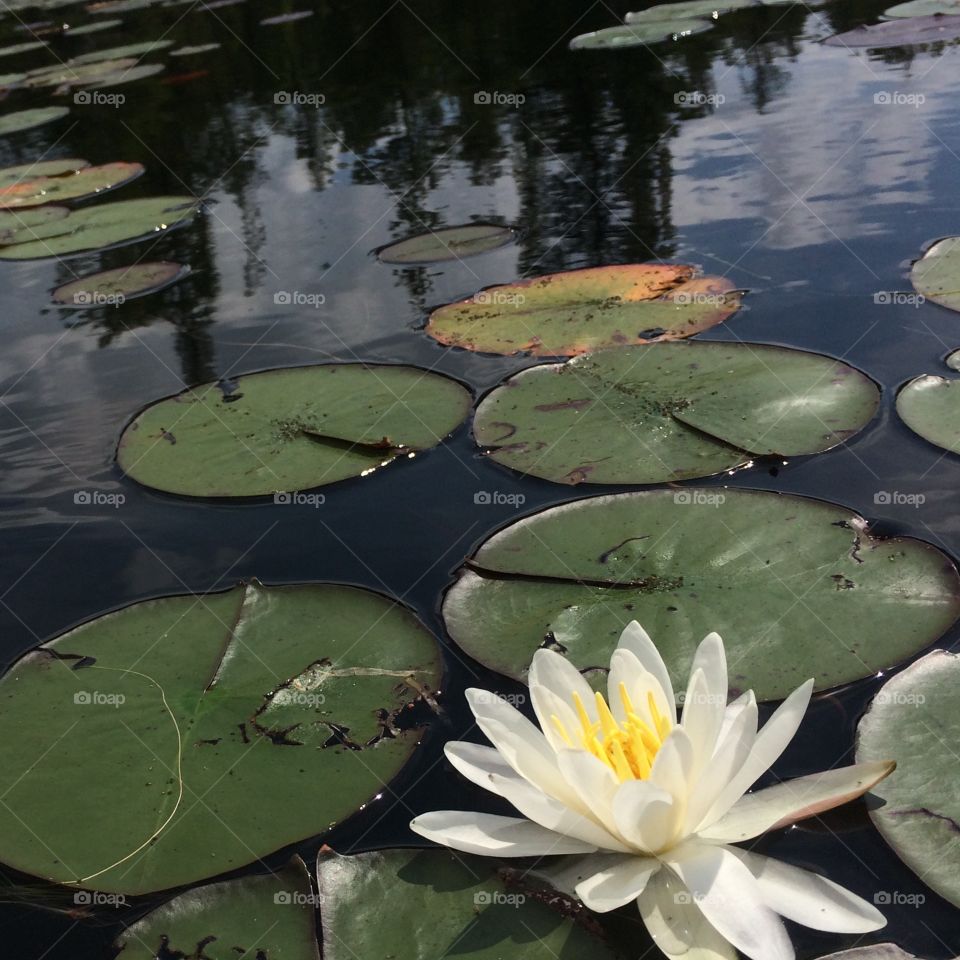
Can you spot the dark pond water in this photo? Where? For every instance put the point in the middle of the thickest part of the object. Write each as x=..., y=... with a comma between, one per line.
x=797, y=186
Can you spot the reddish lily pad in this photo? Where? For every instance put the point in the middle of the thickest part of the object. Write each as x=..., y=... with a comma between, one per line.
x=71, y=185
x=564, y=314
x=113, y=287
x=936, y=28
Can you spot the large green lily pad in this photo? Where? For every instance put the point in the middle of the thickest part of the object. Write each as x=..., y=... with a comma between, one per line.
x=639, y=34
x=104, y=225
x=28, y=119
x=937, y=273
x=31, y=191
x=427, y=904
x=797, y=588
x=191, y=735
x=900, y=33
x=930, y=406
x=563, y=314
x=291, y=429
x=113, y=287
x=267, y=916
x=447, y=243
x=914, y=720
x=671, y=411
x=16, y=223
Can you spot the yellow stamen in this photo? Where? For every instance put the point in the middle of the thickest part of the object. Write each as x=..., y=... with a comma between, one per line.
x=561, y=729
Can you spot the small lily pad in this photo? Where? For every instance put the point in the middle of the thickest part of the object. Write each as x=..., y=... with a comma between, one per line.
x=101, y=226
x=923, y=8
x=127, y=75
x=120, y=53
x=710, y=9
x=193, y=51
x=953, y=360
x=113, y=287
x=72, y=185
x=286, y=18
x=290, y=429
x=930, y=407
x=11, y=79
x=28, y=119
x=640, y=34
x=96, y=27
x=25, y=47
x=205, y=723
x=797, y=588
x=900, y=33
x=10, y=176
x=937, y=273
x=563, y=314
x=447, y=243
x=78, y=74
x=914, y=720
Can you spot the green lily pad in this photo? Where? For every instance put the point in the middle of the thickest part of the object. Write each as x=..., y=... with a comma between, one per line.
x=10, y=176
x=11, y=79
x=28, y=119
x=671, y=411
x=113, y=287
x=900, y=33
x=914, y=720
x=937, y=273
x=120, y=53
x=447, y=243
x=76, y=74
x=563, y=314
x=930, y=407
x=286, y=18
x=425, y=904
x=96, y=27
x=127, y=75
x=272, y=915
x=953, y=360
x=26, y=47
x=710, y=9
x=289, y=429
x=923, y=8
x=189, y=734
x=11, y=224
x=797, y=588
x=189, y=51
x=34, y=190
x=640, y=34
x=105, y=225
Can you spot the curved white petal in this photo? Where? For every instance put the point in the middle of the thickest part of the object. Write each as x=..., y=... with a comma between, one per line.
x=702, y=718
x=594, y=783
x=734, y=709
x=617, y=884
x=673, y=764
x=476, y=762
x=810, y=899
x=676, y=924
x=770, y=742
x=711, y=658
x=553, y=680
x=785, y=803
x=535, y=805
x=564, y=874
x=635, y=639
x=645, y=815
x=639, y=683
x=731, y=899
x=489, y=835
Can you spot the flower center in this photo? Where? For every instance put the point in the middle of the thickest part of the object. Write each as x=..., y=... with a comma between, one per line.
x=627, y=747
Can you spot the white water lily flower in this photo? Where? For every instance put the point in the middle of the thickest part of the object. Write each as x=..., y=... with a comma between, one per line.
x=652, y=802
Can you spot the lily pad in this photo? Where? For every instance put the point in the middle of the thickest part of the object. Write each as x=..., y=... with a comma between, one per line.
x=272, y=915
x=289, y=429
x=923, y=8
x=120, y=53
x=76, y=75
x=563, y=314
x=11, y=224
x=710, y=9
x=425, y=904
x=28, y=119
x=190, y=724
x=96, y=27
x=447, y=243
x=194, y=50
x=797, y=588
x=113, y=287
x=105, y=225
x=73, y=185
x=12, y=79
x=900, y=33
x=41, y=168
x=640, y=34
x=930, y=406
x=914, y=719
x=875, y=951
x=953, y=360
x=286, y=18
x=937, y=273
x=25, y=47
x=127, y=75
x=671, y=411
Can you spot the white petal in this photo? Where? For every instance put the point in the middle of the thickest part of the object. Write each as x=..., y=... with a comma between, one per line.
x=646, y=815
x=564, y=874
x=810, y=899
x=731, y=899
x=673, y=764
x=488, y=835
x=711, y=658
x=771, y=741
x=476, y=762
x=616, y=885
x=625, y=668
x=702, y=718
x=553, y=680
x=635, y=639
x=733, y=711
x=594, y=783
x=676, y=924
x=785, y=803
x=538, y=807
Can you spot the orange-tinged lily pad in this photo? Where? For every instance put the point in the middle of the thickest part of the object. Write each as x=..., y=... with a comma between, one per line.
x=68, y=185
x=564, y=314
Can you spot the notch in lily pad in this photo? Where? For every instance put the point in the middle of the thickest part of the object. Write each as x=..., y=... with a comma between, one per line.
x=446, y=243
x=563, y=314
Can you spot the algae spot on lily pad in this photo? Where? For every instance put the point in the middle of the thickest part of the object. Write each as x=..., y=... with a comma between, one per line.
x=28, y=119
x=900, y=33
x=446, y=243
x=936, y=274
x=914, y=720
x=254, y=697
x=930, y=406
x=69, y=185
x=797, y=588
x=289, y=429
x=638, y=34
x=563, y=314
x=113, y=287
